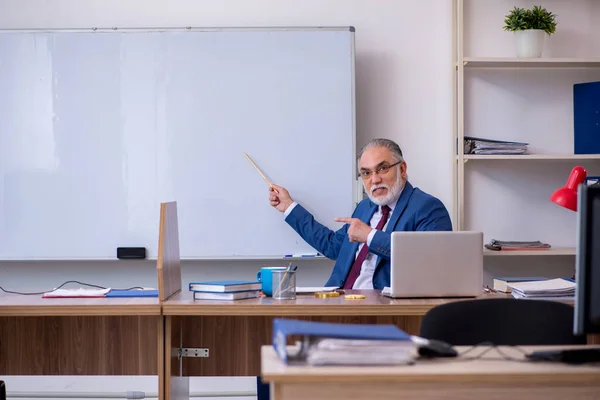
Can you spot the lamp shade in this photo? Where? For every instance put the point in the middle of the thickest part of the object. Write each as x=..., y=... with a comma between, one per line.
x=567, y=196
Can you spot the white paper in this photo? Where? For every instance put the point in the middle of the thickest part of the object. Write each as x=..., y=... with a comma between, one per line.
x=81, y=292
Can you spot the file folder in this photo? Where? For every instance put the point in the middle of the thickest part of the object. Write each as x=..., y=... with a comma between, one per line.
x=310, y=331
x=586, y=117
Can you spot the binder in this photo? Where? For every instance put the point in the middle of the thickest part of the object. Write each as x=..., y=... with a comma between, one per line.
x=586, y=117
x=311, y=331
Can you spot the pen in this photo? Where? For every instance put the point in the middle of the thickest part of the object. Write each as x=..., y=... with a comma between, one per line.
x=303, y=255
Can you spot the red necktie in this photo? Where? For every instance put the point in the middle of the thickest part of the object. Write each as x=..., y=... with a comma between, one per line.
x=355, y=270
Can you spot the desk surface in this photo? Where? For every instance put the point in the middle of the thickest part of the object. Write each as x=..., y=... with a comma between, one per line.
x=491, y=367
x=307, y=305
x=12, y=305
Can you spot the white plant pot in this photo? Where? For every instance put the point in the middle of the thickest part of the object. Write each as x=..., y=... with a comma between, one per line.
x=530, y=43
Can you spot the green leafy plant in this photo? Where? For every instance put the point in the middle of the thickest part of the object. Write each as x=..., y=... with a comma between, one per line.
x=519, y=19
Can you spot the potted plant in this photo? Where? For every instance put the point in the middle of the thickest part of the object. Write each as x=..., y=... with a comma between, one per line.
x=530, y=27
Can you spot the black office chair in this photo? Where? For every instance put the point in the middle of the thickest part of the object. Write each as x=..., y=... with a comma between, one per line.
x=509, y=322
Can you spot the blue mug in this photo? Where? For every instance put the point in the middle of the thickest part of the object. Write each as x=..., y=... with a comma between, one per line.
x=265, y=277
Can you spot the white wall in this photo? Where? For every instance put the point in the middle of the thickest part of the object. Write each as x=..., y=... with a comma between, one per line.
x=404, y=92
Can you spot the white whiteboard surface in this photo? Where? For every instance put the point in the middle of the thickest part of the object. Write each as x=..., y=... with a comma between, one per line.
x=98, y=127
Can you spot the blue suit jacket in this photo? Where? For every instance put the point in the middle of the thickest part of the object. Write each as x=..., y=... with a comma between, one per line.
x=414, y=211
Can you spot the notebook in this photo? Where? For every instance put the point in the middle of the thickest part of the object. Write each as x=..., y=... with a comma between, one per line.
x=225, y=286
x=245, y=294
x=133, y=293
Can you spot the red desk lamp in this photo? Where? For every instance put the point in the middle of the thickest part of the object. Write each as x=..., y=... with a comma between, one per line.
x=567, y=196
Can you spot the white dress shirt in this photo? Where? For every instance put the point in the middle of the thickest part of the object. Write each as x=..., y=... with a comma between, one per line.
x=365, y=279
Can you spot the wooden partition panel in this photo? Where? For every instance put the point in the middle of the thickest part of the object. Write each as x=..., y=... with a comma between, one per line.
x=111, y=345
x=234, y=342
x=168, y=264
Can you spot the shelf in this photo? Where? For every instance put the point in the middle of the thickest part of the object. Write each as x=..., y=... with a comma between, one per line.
x=481, y=62
x=532, y=157
x=557, y=251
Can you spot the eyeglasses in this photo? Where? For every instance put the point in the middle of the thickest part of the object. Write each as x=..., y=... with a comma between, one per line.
x=381, y=170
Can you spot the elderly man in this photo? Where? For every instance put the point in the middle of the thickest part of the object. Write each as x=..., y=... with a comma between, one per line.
x=361, y=247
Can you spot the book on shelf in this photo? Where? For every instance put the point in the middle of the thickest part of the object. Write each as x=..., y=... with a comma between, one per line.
x=500, y=284
x=241, y=295
x=225, y=286
x=325, y=343
x=476, y=145
x=507, y=245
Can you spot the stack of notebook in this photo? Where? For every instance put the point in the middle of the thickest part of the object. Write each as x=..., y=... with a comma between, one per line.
x=553, y=289
x=225, y=290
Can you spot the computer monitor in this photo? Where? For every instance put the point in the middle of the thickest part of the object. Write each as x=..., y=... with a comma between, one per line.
x=587, y=277
x=587, y=261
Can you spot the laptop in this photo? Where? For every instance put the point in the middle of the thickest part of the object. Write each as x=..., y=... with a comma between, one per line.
x=436, y=264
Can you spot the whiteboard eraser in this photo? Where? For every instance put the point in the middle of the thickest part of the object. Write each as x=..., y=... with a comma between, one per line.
x=131, y=253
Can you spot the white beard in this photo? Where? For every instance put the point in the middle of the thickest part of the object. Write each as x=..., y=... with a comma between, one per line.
x=392, y=193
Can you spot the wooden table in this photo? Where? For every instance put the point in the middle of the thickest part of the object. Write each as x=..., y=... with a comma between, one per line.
x=78, y=336
x=234, y=331
x=489, y=378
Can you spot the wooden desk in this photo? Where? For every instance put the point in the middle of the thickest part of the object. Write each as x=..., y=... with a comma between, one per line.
x=234, y=331
x=490, y=378
x=95, y=336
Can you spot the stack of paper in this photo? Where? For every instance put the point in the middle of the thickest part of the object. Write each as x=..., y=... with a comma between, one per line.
x=324, y=343
x=498, y=245
x=554, y=289
x=80, y=292
x=361, y=352
x=474, y=145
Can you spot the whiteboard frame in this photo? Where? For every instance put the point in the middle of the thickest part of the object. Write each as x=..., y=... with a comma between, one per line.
x=357, y=192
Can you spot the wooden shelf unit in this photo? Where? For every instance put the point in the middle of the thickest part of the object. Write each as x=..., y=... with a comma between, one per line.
x=502, y=62
x=547, y=157
x=493, y=70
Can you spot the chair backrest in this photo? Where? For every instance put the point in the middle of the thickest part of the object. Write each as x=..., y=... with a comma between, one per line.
x=501, y=322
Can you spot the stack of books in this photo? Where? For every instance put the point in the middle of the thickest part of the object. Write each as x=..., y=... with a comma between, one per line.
x=548, y=289
x=225, y=290
x=500, y=283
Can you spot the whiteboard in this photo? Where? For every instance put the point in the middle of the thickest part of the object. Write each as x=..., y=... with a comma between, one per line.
x=97, y=127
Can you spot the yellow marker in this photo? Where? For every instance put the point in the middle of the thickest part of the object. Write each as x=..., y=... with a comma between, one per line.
x=355, y=297
x=324, y=295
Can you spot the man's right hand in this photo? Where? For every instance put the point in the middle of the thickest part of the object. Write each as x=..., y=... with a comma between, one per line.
x=280, y=198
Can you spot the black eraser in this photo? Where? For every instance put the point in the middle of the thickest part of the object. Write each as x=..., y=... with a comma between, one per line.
x=131, y=253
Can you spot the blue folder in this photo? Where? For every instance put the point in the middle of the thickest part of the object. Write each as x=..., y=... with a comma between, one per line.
x=586, y=117
x=132, y=293
x=282, y=328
